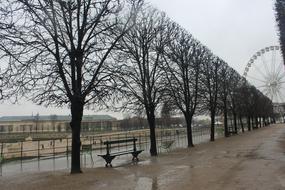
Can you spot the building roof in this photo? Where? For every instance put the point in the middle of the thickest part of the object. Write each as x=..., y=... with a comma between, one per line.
x=56, y=118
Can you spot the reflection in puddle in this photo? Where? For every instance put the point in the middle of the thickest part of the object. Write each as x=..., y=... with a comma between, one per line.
x=145, y=183
x=145, y=162
x=154, y=184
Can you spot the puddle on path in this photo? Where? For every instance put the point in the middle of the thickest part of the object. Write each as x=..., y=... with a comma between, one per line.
x=145, y=183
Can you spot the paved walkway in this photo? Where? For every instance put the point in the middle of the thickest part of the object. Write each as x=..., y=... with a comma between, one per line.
x=254, y=160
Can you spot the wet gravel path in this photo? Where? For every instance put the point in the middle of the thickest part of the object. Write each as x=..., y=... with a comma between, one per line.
x=254, y=160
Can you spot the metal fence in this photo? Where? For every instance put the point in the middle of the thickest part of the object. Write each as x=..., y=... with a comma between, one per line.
x=16, y=155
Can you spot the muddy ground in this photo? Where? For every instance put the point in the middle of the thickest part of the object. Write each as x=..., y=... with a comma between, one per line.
x=254, y=160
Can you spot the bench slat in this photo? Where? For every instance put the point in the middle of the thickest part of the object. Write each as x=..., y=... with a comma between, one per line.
x=120, y=141
x=118, y=153
x=121, y=153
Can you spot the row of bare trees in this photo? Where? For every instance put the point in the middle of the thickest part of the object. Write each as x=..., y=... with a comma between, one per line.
x=161, y=62
x=280, y=18
x=93, y=54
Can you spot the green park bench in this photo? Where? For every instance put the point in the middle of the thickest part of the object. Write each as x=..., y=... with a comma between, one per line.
x=108, y=157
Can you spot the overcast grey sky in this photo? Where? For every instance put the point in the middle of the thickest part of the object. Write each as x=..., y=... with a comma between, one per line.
x=233, y=29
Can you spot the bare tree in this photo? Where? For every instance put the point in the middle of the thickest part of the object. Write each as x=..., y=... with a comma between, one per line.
x=247, y=101
x=210, y=89
x=183, y=59
x=235, y=81
x=165, y=113
x=280, y=18
x=227, y=84
x=141, y=56
x=266, y=110
x=58, y=52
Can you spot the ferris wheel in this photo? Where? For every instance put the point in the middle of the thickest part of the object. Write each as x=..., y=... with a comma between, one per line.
x=265, y=70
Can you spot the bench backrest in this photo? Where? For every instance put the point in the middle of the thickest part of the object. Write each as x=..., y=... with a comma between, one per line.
x=120, y=141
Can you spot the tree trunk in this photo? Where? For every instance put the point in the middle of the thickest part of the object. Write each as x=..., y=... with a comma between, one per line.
x=235, y=122
x=188, y=119
x=151, y=123
x=248, y=123
x=212, y=135
x=75, y=124
x=253, y=123
x=226, y=128
x=263, y=122
x=241, y=123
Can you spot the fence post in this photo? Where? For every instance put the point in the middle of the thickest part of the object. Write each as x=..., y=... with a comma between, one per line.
x=21, y=151
x=140, y=142
x=67, y=159
x=91, y=144
x=118, y=137
x=2, y=145
x=126, y=142
x=38, y=150
x=178, y=138
x=146, y=140
x=67, y=148
x=101, y=142
x=53, y=148
x=1, y=158
x=21, y=155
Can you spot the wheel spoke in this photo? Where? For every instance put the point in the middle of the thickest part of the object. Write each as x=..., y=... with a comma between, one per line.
x=277, y=96
x=281, y=76
x=274, y=97
x=262, y=86
x=281, y=98
x=264, y=91
x=268, y=93
x=254, y=78
x=279, y=69
x=265, y=65
x=282, y=87
x=281, y=82
x=273, y=61
x=259, y=71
